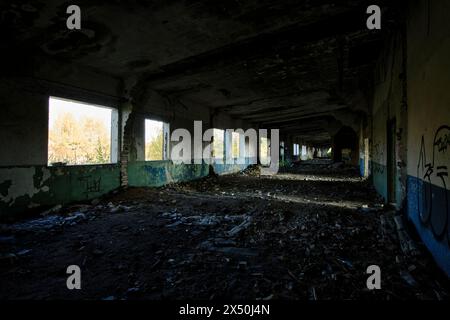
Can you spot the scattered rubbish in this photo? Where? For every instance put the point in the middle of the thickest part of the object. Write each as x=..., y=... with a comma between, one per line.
x=176, y=223
x=238, y=229
x=399, y=223
x=346, y=263
x=241, y=236
x=312, y=294
x=408, y=278
x=40, y=224
x=53, y=210
x=97, y=252
x=253, y=171
x=242, y=265
x=76, y=217
x=23, y=252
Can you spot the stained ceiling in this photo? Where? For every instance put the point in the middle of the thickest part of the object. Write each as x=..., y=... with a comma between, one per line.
x=301, y=66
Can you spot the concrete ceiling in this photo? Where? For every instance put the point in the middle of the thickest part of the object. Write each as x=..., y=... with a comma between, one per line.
x=301, y=66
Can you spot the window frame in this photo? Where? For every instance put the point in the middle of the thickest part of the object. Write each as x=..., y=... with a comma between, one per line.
x=113, y=126
x=165, y=143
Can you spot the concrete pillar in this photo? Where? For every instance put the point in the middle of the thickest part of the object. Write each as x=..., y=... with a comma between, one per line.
x=288, y=148
x=242, y=156
x=228, y=141
x=114, y=136
x=166, y=141
x=311, y=153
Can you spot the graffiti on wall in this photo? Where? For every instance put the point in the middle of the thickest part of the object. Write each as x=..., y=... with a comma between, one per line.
x=433, y=194
x=91, y=185
x=378, y=158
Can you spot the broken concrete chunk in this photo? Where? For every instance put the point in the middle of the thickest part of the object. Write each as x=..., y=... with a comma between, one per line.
x=53, y=210
x=408, y=278
x=76, y=217
x=399, y=222
x=238, y=229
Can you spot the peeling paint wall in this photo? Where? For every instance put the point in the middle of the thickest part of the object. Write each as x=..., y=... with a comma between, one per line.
x=26, y=181
x=23, y=182
x=159, y=173
x=23, y=188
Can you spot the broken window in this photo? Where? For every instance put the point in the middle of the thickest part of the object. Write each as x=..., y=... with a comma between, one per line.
x=218, y=144
x=156, y=140
x=81, y=133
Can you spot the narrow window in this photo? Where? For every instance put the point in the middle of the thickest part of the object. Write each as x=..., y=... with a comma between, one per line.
x=80, y=133
x=218, y=144
x=264, y=151
x=156, y=140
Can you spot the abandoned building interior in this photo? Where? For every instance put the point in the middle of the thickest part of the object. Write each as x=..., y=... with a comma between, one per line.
x=360, y=120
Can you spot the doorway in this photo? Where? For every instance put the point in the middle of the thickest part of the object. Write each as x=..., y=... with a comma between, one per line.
x=391, y=160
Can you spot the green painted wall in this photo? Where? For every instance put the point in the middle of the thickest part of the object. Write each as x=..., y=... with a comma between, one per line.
x=27, y=187
x=158, y=173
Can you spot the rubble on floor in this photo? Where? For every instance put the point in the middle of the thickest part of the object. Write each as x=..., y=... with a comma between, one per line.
x=297, y=235
x=252, y=170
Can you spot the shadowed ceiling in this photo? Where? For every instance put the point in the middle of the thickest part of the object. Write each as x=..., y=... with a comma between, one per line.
x=301, y=66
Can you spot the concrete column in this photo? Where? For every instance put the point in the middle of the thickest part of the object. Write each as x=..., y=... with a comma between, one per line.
x=310, y=152
x=166, y=141
x=228, y=147
x=288, y=147
x=261, y=134
x=114, y=136
x=242, y=149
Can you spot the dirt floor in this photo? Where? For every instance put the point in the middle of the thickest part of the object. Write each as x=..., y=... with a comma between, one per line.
x=309, y=232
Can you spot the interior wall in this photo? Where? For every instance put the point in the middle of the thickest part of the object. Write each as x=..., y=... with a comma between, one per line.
x=26, y=181
x=388, y=109
x=411, y=89
x=153, y=105
x=429, y=126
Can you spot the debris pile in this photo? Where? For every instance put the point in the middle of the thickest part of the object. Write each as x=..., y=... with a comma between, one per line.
x=252, y=171
x=308, y=235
